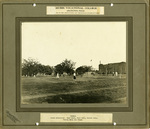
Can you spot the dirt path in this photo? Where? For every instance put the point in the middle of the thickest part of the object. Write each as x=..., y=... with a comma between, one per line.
x=73, y=92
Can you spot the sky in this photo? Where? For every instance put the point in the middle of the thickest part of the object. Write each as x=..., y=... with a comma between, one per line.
x=86, y=43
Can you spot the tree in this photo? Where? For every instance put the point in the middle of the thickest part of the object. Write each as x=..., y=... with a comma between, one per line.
x=67, y=66
x=83, y=69
x=59, y=69
x=48, y=70
x=45, y=69
x=30, y=67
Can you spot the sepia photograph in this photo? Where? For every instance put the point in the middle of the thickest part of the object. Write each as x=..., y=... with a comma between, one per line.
x=73, y=62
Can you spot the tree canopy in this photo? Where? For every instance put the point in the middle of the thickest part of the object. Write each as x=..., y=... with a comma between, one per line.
x=66, y=66
x=83, y=69
x=31, y=67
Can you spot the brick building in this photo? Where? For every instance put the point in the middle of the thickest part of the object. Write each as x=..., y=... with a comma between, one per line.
x=111, y=68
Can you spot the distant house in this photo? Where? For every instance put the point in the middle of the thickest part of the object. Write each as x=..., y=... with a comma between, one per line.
x=111, y=68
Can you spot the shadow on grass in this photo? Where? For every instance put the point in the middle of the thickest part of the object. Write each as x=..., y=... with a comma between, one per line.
x=115, y=95
x=75, y=98
x=80, y=98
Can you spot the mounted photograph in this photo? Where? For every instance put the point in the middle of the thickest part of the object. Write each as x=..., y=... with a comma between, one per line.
x=74, y=62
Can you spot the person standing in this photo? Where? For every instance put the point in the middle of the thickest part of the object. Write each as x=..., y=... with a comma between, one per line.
x=74, y=76
x=57, y=76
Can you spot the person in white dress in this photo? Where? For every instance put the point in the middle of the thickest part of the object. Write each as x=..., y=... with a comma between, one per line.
x=74, y=76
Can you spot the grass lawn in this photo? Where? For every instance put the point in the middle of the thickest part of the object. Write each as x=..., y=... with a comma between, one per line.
x=86, y=89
